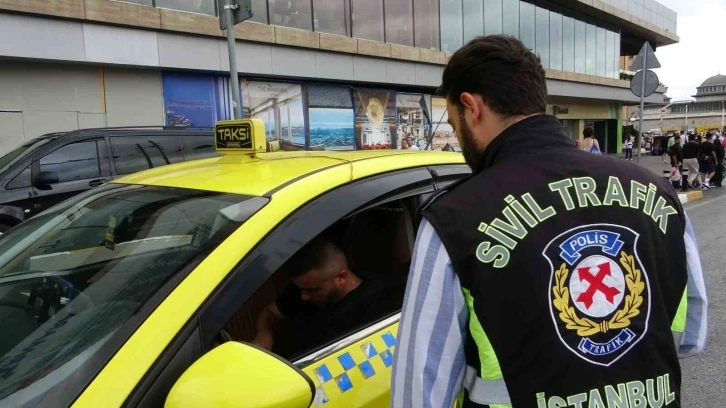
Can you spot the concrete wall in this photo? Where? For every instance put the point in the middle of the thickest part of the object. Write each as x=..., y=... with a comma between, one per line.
x=133, y=97
x=39, y=98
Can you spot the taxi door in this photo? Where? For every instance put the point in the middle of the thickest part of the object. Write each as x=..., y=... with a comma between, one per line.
x=355, y=371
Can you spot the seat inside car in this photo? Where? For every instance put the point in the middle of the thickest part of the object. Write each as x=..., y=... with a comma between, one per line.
x=378, y=244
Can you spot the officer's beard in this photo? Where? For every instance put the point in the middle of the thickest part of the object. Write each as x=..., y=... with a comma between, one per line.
x=471, y=153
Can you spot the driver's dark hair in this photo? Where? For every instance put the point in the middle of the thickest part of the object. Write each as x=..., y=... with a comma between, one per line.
x=502, y=70
x=316, y=254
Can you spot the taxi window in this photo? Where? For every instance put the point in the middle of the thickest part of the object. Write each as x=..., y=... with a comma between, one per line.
x=72, y=277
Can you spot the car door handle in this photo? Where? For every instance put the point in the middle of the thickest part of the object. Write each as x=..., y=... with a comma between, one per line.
x=96, y=183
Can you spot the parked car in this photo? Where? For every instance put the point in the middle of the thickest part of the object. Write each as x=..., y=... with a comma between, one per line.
x=57, y=166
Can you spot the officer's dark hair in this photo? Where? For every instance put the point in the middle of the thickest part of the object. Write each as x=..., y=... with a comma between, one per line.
x=502, y=70
x=320, y=254
x=691, y=137
x=588, y=132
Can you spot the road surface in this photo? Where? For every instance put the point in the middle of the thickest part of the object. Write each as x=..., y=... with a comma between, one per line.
x=704, y=377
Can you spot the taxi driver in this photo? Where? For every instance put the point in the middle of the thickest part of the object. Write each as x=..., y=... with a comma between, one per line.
x=326, y=300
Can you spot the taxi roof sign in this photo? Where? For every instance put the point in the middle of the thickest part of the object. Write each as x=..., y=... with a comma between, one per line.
x=240, y=135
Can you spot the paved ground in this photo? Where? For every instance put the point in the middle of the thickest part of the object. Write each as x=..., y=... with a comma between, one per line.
x=704, y=377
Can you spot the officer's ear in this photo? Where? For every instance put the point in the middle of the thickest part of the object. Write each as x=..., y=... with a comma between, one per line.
x=473, y=108
x=469, y=103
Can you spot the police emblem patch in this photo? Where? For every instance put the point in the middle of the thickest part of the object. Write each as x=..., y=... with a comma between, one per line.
x=599, y=292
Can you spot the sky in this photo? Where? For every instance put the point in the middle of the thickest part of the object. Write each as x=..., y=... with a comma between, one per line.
x=700, y=53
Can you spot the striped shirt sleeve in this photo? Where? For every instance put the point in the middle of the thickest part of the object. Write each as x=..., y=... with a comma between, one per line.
x=694, y=335
x=429, y=364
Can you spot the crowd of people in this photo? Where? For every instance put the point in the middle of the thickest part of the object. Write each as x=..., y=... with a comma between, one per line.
x=702, y=155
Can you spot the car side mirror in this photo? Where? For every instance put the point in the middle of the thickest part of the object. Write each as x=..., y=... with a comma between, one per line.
x=240, y=375
x=44, y=179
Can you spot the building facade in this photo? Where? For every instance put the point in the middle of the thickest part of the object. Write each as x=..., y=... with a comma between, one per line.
x=322, y=74
x=707, y=111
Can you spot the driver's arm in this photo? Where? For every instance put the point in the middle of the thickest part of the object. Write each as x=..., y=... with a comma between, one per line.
x=266, y=325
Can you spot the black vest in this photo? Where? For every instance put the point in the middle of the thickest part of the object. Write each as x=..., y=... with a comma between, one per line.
x=576, y=265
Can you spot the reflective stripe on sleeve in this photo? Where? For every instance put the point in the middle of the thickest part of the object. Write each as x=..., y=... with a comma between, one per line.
x=486, y=392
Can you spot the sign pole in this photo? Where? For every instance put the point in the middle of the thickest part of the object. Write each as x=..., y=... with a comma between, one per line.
x=642, y=106
x=234, y=78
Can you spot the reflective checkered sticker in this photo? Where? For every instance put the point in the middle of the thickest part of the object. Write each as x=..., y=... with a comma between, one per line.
x=339, y=373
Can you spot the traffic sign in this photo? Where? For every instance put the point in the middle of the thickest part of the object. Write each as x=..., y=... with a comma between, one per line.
x=651, y=83
x=651, y=60
x=241, y=11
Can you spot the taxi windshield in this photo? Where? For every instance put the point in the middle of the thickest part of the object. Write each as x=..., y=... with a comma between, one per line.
x=74, y=280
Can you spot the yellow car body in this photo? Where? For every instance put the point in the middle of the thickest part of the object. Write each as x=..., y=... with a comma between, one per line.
x=356, y=375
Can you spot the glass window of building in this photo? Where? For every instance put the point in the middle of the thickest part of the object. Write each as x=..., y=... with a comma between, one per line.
x=443, y=132
x=542, y=41
x=601, y=60
x=556, y=41
x=610, y=54
x=526, y=24
x=617, y=55
x=193, y=6
x=399, y=22
x=279, y=105
x=195, y=100
x=568, y=44
x=332, y=16
x=591, y=55
x=426, y=24
x=413, y=121
x=259, y=11
x=375, y=118
x=580, y=47
x=510, y=17
x=492, y=17
x=451, y=32
x=142, y=2
x=368, y=19
x=331, y=118
x=473, y=19
x=291, y=13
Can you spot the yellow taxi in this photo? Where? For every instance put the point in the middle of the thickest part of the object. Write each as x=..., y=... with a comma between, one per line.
x=145, y=292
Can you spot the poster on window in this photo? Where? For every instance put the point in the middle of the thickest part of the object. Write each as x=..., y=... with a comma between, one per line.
x=413, y=121
x=331, y=118
x=280, y=106
x=195, y=100
x=375, y=118
x=443, y=134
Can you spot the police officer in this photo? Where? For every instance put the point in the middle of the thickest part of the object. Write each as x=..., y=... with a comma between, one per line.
x=540, y=280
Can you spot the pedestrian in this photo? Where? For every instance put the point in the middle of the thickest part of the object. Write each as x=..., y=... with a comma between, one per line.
x=676, y=163
x=707, y=161
x=549, y=290
x=588, y=142
x=720, y=151
x=671, y=140
x=629, y=147
x=690, y=159
x=411, y=144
